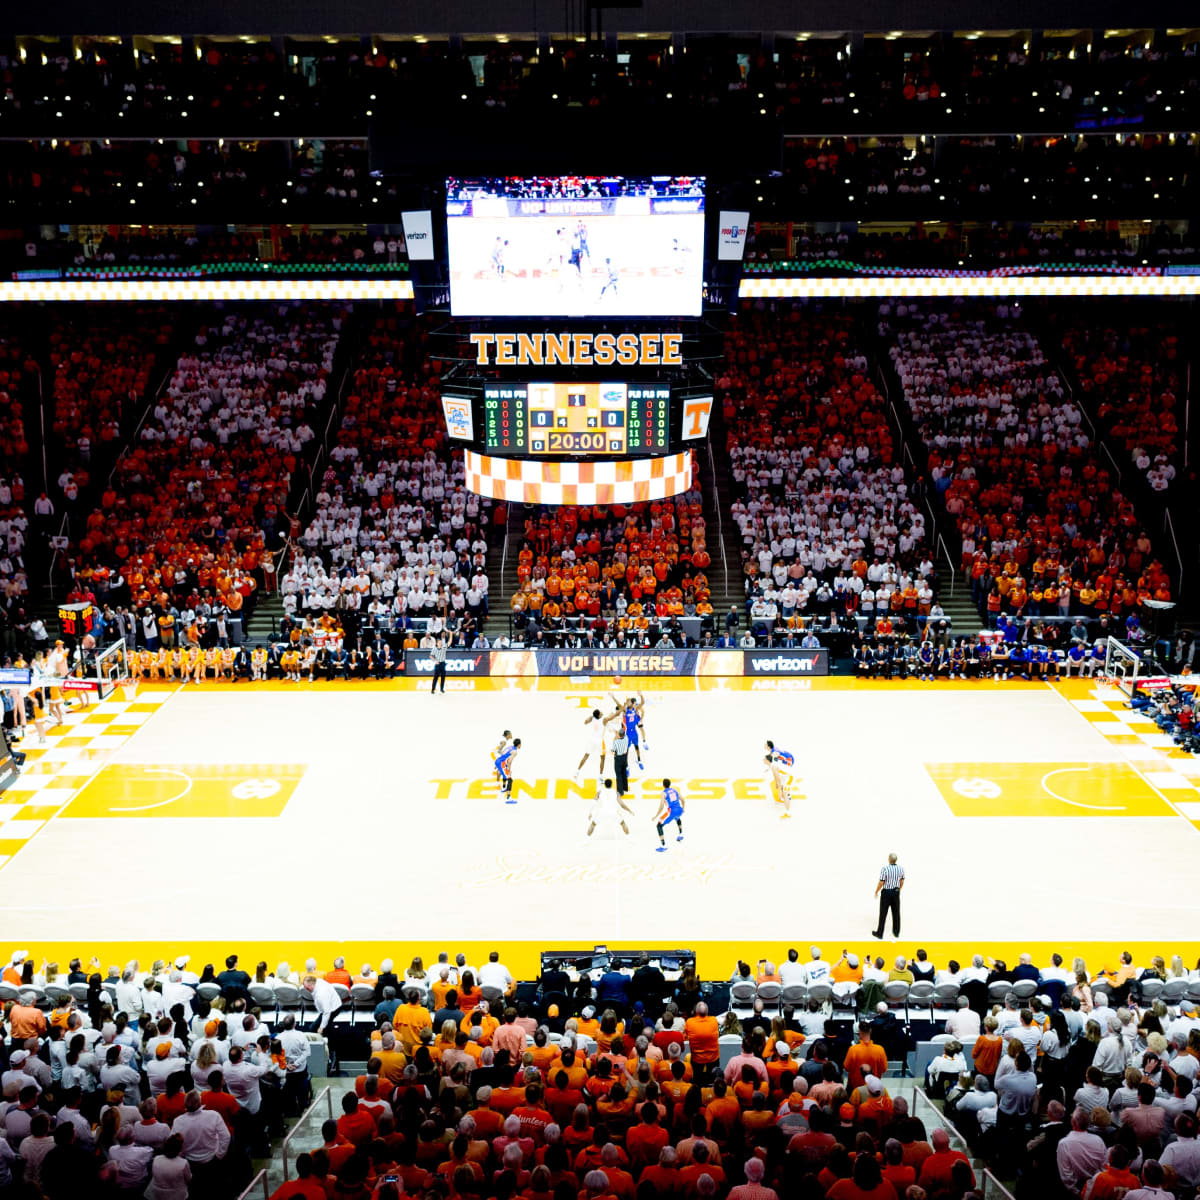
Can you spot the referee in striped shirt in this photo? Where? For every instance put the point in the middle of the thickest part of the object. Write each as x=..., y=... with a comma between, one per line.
x=891, y=881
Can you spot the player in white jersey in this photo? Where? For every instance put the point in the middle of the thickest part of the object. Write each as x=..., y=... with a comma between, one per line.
x=606, y=805
x=780, y=763
x=499, y=749
x=593, y=730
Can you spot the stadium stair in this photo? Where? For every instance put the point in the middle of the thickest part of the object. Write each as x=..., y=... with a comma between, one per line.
x=724, y=541
x=264, y=621
x=960, y=608
x=724, y=538
x=502, y=574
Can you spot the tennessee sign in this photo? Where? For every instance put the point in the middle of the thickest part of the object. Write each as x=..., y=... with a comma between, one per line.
x=578, y=349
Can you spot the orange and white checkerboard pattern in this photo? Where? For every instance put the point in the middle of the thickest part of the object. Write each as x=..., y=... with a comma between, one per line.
x=74, y=751
x=1174, y=772
x=533, y=481
x=916, y=286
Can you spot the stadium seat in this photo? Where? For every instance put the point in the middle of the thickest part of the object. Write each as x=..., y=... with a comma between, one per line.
x=820, y=992
x=999, y=989
x=794, y=994
x=920, y=995
x=8, y=992
x=945, y=996
x=1024, y=988
x=769, y=991
x=208, y=991
x=1173, y=991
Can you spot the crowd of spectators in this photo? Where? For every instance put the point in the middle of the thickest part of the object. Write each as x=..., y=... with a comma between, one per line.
x=84, y=180
x=1131, y=374
x=826, y=517
x=613, y=575
x=1065, y=176
x=1045, y=530
x=165, y=246
x=395, y=536
x=1119, y=81
x=611, y=1082
x=973, y=246
x=100, y=360
x=198, y=504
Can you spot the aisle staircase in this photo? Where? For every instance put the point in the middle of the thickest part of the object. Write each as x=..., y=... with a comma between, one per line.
x=964, y=617
x=502, y=572
x=724, y=540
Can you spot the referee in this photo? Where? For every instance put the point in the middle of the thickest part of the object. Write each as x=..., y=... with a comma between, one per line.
x=619, y=745
x=891, y=881
x=437, y=656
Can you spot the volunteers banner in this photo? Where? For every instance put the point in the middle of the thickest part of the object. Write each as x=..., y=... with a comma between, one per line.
x=458, y=662
x=616, y=662
x=708, y=662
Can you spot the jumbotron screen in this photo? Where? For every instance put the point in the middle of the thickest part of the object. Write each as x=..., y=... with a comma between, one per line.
x=556, y=419
x=576, y=246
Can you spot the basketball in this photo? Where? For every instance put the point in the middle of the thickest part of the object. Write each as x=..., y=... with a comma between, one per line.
x=617, y=680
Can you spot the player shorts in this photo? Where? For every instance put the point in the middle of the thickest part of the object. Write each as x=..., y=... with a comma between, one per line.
x=604, y=805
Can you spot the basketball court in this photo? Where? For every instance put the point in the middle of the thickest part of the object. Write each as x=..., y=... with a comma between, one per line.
x=277, y=820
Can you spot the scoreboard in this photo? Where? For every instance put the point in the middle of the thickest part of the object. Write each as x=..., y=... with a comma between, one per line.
x=577, y=418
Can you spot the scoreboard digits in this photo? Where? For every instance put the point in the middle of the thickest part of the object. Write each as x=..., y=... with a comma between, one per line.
x=577, y=418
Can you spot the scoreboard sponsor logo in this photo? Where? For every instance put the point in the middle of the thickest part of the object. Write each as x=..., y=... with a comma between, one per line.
x=457, y=411
x=458, y=662
x=578, y=349
x=418, y=233
x=786, y=662
x=696, y=413
x=731, y=242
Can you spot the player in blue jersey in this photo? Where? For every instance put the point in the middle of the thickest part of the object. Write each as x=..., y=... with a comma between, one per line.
x=498, y=749
x=670, y=809
x=504, y=768
x=781, y=763
x=635, y=724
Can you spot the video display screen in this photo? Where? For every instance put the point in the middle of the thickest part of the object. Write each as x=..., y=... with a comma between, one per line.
x=576, y=246
x=549, y=419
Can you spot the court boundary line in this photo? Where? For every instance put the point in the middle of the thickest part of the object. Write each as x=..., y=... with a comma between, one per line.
x=1192, y=825
x=91, y=778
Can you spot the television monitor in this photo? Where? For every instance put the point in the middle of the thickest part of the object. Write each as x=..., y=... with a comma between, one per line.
x=576, y=246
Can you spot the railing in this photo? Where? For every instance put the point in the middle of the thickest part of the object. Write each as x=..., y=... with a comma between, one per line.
x=712, y=471
x=941, y=541
x=324, y=1094
x=993, y=1189
x=921, y=1100
x=1097, y=442
x=1169, y=527
x=259, y=1180
x=42, y=419
x=63, y=531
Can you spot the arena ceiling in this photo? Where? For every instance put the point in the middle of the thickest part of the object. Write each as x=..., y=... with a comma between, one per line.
x=448, y=17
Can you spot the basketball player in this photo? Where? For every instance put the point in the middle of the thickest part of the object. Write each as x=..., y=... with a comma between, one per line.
x=258, y=663
x=58, y=668
x=781, y=763
x=634, y=711
x=498, y=257
x=612, y=278
x=504, y=769
x=607, y=804
x=670, y=809
x=594, y=732
x=497, y=750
